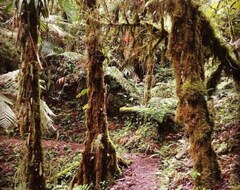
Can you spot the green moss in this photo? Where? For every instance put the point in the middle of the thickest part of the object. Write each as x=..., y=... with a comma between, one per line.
x=193, y=87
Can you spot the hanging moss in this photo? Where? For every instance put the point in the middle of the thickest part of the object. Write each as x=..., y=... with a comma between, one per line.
x=186, y=52
x=99, y=160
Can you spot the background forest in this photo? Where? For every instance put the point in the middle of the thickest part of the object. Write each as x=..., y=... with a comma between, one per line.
x=119, y=95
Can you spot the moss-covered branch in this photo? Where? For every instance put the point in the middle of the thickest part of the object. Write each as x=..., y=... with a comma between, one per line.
x=220, y=50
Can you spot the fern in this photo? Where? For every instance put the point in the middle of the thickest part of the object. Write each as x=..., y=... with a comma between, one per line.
x=46, y=116
x=71, y=8
x=9, y=87
x=8, y=84
x=47, y=48
x=71, y=56
x=7, y=116
x=156, y=109
x=60, y=31
x=129, y=86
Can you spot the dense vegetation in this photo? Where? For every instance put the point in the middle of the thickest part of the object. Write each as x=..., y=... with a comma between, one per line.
x=107, y=85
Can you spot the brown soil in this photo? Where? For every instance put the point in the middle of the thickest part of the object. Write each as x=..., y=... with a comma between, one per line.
x=140, y=175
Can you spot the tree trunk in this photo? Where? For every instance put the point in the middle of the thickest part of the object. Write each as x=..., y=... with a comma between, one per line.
x=29, y=99
x=148, y=79
x=99, y=160
x=186, y=52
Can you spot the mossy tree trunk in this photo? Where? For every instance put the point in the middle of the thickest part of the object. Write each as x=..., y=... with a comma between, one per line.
x=99, y=160
x=29, y=98
x=186, y=52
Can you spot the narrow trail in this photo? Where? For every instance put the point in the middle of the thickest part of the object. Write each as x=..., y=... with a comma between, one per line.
x=140, y=175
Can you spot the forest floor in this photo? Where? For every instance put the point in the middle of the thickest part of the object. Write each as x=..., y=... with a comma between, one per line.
x=155, y=162
x=169, y=169
x=139, y=175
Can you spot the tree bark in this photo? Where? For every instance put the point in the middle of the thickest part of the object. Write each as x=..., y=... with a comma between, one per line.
x=99, y=161
x=186, y=52
x=29, y=99
x=148, y=79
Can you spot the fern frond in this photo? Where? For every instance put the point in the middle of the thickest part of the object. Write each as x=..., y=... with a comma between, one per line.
x=157, y=102
x=7, y=116
x=46, y=116
x=47, y=48
x=129, y=86
x=10, y=76
x=59, y=31
x=8, y=83
x=71, y=8
x=156, y=109
x=71, y=56
x=3, y=98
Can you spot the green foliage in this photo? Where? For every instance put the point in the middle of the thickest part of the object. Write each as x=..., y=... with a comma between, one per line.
x=82, y=93
x=71, y=56
x=141, y=138
x=195, y=174
x=222, y=12
x=128, y=85
x=64, y=172
x=221, y=148
x=174, y=172
x=8, y=88
x=49, y=49
x=226, y=103
x=156, y=109
x=59, y=168
x=46, y=116
x=71, y=8
x=83, y=187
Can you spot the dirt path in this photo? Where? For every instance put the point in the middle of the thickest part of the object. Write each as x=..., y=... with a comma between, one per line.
x=140, y=175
